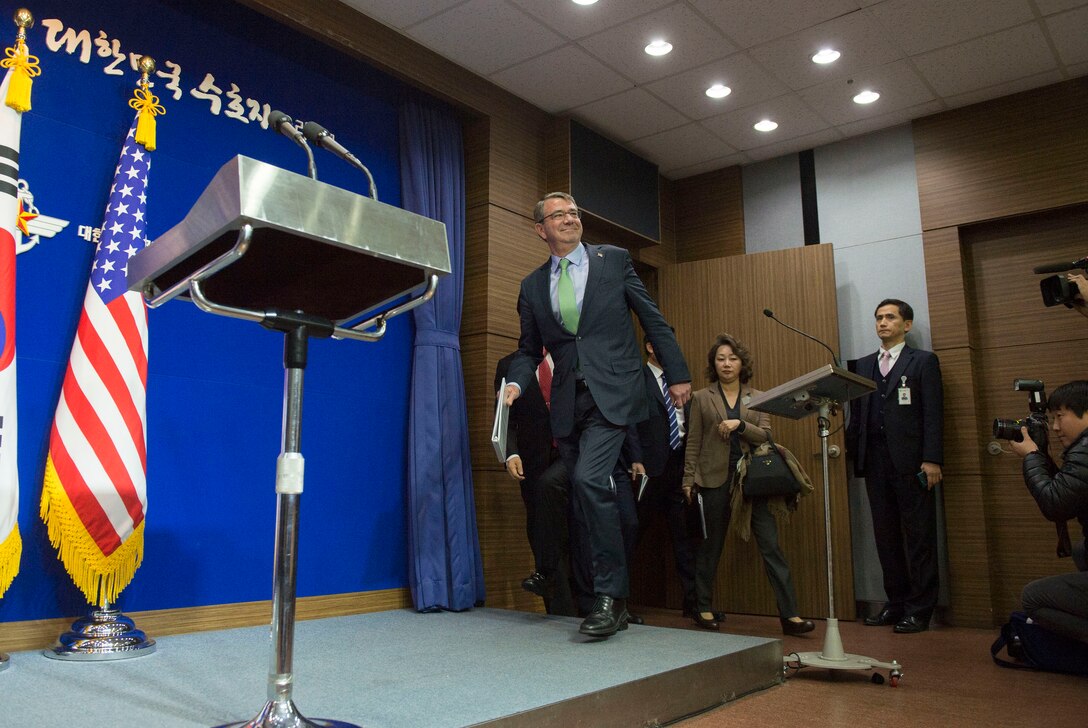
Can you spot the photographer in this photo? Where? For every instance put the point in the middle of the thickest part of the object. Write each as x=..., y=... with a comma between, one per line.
x=1060, y=603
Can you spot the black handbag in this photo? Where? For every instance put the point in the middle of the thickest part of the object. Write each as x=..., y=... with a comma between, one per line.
x=769, y=475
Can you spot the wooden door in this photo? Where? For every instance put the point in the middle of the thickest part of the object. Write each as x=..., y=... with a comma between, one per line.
x=1015, y=336
x=703, y=298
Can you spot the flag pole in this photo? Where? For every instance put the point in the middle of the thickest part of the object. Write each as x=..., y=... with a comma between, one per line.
x=21, y=69
x=105, y=633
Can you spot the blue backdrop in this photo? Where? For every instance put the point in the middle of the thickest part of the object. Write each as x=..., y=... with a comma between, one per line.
x=215, y=385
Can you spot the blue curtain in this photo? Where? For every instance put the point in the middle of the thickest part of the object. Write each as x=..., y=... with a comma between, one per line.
x=445, y=568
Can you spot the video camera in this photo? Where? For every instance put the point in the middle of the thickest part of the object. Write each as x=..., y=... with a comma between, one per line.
x=1036, y=422
x=1058, y=290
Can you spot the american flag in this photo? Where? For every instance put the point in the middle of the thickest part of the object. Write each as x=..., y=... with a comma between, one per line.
x=95, y=493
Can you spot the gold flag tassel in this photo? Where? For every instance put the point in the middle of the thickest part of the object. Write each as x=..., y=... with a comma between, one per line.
x=147, y=104
x=101, y=578
x=24, y=67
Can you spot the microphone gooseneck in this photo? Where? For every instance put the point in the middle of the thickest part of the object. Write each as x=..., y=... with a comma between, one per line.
x=281, y=123
x=834, y=357
x=323, y=138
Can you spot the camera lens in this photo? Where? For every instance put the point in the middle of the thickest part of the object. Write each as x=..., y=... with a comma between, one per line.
x=1008, y=429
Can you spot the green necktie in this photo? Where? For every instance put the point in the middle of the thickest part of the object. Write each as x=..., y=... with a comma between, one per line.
x=568, y=305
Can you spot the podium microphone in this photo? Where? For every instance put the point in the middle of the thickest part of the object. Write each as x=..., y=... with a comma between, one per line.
x=283, y=124
x=323, y=138
x=834, y=357
x=1061, y=267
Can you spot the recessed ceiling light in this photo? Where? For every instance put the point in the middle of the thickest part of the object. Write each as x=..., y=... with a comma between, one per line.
x=718, y=91
x=866, y=97
x=826, y=55
x=659, y=47
x=766, y=125
x=584, y=2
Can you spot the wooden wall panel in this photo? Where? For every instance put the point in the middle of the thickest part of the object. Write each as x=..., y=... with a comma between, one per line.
x=709, y=215
x=948, y=309
x=731, y=295
x=988, y=172
x=1004, y=157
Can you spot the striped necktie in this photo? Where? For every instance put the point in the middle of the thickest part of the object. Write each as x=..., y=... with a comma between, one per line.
x=674, y=423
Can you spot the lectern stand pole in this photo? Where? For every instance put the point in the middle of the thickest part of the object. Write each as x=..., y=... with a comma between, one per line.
x=280, y=710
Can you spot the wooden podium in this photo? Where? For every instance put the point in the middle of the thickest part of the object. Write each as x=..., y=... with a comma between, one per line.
x=309, y=260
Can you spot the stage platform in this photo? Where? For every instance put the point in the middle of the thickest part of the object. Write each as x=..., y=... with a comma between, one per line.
x=402, y=669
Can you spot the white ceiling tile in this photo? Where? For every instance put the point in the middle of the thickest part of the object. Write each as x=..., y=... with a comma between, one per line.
x=681, y=147
x=694, y=42
x=883, y=121
x=400, y=13
x=1003, y=89
x=792, y=146
x=994, y=59
x=923, y=25
x=898, y=84
x=629, y=115
x=686, y=92
x=561, y=80
x=860, y=39
x=750, y=23
x=709, y=165
x=972, y=50
x=1069, y=31
x=578, y=21
x=485, y=36
x=793, y=117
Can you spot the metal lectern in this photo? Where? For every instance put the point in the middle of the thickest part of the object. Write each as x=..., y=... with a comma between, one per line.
x=819, y=392
x=309, y=260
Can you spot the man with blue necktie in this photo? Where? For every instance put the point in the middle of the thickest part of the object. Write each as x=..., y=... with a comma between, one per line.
x=578, y=305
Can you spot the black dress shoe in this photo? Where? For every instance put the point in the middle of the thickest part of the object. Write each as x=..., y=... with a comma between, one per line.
x=795, y=628
x=608, y=617
x=635, y=619
x=689, y=612
x=911, y=625
x=886, y=618
x=704, y=623
x=536, y=583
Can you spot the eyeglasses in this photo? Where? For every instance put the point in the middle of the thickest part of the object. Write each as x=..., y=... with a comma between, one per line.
x=558, y=216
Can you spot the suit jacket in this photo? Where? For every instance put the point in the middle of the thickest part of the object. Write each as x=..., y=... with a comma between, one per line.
x=529, y=434
x=653, y=432
x=914, y=432
x=706, y=460
x=604, y=348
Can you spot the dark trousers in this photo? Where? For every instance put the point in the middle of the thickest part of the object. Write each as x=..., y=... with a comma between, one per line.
x=547, y=507
x=1060, y=603
x=581, y=557
x=591, y=452
x=663, y=495
x=905, y=525
x=765, y=530
x=716, y=510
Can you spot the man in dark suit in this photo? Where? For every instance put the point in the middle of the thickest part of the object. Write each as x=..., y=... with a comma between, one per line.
x=895, y=435
x=578, y=305
x=662, y=436
x=532, y=459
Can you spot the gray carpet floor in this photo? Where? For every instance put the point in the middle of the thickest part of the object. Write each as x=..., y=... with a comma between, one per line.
x=396, y=669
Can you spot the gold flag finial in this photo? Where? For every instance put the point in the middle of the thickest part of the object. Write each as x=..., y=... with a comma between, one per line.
x=23, y=66
x=147, y=104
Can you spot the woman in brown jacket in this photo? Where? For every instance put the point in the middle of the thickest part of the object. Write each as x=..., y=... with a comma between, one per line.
x=721, y=429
